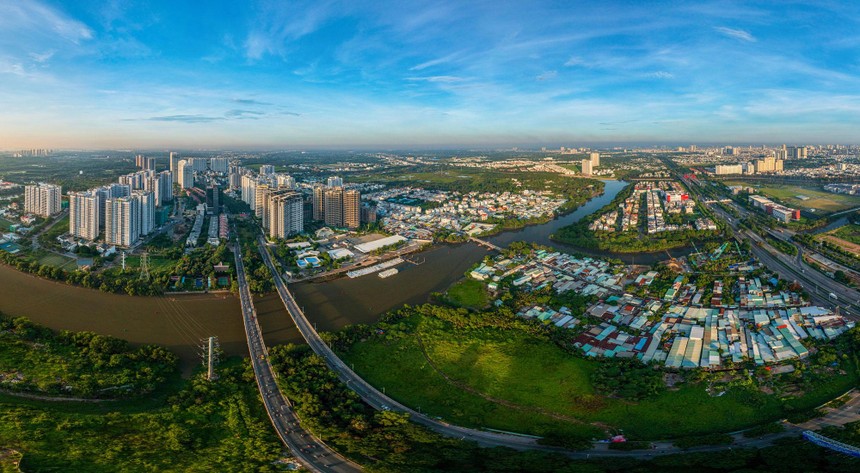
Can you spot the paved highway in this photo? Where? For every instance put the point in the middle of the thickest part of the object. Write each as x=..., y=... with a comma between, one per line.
x=310, y=451
x=379, y=400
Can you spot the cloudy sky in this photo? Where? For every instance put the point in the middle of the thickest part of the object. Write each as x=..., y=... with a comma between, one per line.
x=278, y=74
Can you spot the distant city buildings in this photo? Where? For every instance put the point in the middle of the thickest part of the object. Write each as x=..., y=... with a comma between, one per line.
x=43, y=199
x=586, y=167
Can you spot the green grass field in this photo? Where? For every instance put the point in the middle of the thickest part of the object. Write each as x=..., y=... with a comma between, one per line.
x=468, y=293
x=820, y=200
x=4, y=224
x=57, y=261
x=849, y=233
x=538, y=378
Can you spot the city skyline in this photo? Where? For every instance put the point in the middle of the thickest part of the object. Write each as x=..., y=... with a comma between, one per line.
x=330, y=74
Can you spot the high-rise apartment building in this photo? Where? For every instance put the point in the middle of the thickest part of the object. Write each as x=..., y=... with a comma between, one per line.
x=146, y=211
x=122, y=216
x=334, y=207
x=319, y=203
x=84, y=215
x=218, y=165
x=174, y=166
x=267, y=169
x=586, y=167
x=334, y=181
x=249, y=190
x=186, y=174
x=261, y=197
x=213, y=199
x=286, y=181
x=43, y=199
x=286, y=216
x=595, y=160
x=351, y=208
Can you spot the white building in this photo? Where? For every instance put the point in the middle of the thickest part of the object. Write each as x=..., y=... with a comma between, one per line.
x=84, y=216
x=249, y=191
x=43, y=199
x=218, y=165
x=186, y=174
x=286, y=181
x=122, y=216
x=586, y=167
x=146, y=211
x=595, y=159
x=335, y=181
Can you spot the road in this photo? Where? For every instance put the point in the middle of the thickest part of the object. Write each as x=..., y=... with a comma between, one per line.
x=817, y=284
x=379, y=400
x=310, y=451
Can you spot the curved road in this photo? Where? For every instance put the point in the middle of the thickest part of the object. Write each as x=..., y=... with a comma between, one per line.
x=310, y=451
x=380, y=401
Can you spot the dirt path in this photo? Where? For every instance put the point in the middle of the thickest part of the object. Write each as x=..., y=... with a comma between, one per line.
x=496, y=400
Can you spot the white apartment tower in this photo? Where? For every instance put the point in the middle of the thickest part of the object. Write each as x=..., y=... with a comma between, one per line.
x=586, y=167
x=122, y=215
x=42, y=199
x=146, y=211
x=84, y=218
x=186, y=174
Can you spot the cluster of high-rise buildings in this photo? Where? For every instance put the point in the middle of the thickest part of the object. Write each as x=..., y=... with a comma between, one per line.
x=125, y=211
x=273, y=198
x=282, y=208
x=43, y=199
x=589, y=164
x=183, y=169
x=336, y=206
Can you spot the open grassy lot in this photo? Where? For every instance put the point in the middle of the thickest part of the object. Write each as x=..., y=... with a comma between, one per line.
x=56, y=261
x=402, y=369
x=510, y=380
x=468, y=293
x=849, y=233
x=4, y=224
x=820, y=200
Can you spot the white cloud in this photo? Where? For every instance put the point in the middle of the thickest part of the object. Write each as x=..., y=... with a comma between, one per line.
x=35, y=17
x=736, y=34
x=548, y=75
x=661, y=75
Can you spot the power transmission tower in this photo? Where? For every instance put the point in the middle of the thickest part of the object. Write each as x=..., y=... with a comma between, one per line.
x=144, y=267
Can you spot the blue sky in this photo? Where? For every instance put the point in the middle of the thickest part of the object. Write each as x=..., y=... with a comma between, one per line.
x=278, y=74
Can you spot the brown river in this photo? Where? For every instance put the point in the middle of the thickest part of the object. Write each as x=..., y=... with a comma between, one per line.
x=181, y=322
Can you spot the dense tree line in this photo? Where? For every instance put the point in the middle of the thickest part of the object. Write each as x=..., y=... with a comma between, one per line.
x=80, y=364
x=204, y=426
x=627, y=378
